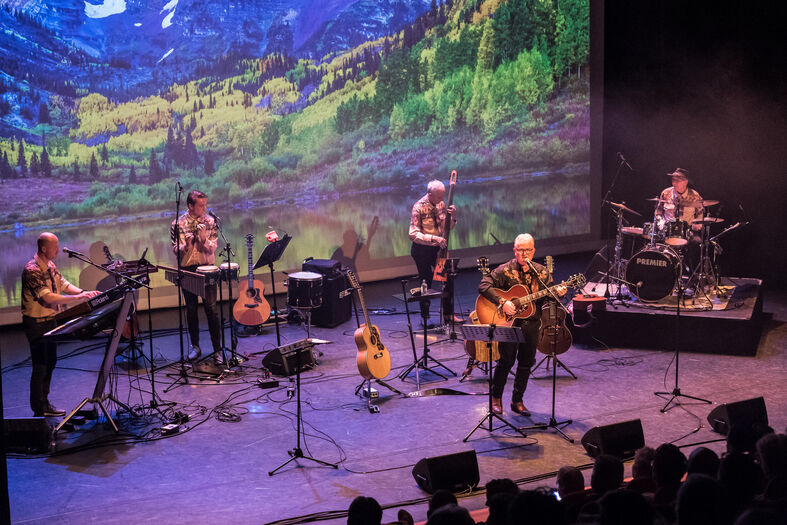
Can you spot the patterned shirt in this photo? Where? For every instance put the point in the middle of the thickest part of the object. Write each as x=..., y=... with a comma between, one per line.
x=674, y=200
x=38, y=280
x=193, y=255
x=427, y=221
x=510, y=274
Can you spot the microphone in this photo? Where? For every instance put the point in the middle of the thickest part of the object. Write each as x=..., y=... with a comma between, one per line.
x=215, y=217
x=73, y=253
x=624, y=161
x=639, y=284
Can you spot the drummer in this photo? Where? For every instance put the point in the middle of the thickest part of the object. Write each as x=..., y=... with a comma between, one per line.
x=679, y=203
x=196, y=239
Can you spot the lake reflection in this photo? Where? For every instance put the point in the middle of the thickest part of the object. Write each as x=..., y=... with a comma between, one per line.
x=548, y=205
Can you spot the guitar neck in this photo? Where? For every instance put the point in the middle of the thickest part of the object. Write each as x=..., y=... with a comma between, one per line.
x=537, y=295
x=250, y=246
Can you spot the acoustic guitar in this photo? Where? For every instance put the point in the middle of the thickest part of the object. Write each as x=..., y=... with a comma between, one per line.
x=554, y=336
x=523, y=299
x=442, y=255
x=374, y=361
x=251, y=308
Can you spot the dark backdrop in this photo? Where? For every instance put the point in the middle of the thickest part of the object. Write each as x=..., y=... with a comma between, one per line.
x=701, y=85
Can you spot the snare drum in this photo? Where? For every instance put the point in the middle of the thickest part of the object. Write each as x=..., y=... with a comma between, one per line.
x=229, y=272
x=654, y=229
x=653, y=273
x=304, y=290
x=677, y=233
x=211, y=274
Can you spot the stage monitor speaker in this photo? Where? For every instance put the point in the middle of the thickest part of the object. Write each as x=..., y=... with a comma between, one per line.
x=747, y=412
x=618, y=439
x=454, y=472
x=28, y=435
x=280, y=365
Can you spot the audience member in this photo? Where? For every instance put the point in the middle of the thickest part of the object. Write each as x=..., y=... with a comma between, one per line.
x=699, y=502
x=669, y=466
x=642, y=471
x=364, y=511
x=499, y=505
x=569, y=481
x=741, y=481
x=536, y=507
x=450, y=514
x=772, y=454
x=607, y=475
x=439, y=499
x=759, y=516
x=703, y=460
x=743, y=437
x=625, y=507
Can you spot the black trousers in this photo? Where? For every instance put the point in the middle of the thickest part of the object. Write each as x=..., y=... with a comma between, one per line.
x=211, y=312
x=425, y=258
x=43, y=354
x=523, y=354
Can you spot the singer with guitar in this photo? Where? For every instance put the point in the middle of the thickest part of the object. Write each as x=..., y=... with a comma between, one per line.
x=197, y=242
x=519, y=270
x=428, y=221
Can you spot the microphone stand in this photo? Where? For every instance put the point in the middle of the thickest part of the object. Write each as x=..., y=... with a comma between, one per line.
x=604, y=201
x=235, y=360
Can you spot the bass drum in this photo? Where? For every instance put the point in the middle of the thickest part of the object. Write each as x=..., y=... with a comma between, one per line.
x=657, y=268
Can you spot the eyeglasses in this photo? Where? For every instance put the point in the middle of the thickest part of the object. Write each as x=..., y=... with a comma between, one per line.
x=525, y=250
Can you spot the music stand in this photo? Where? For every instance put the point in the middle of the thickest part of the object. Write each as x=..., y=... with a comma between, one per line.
x=490, y=333
x=423, y=361
x=270, y=255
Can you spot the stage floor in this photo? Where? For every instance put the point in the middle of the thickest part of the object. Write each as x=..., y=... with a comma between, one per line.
x=216, y=471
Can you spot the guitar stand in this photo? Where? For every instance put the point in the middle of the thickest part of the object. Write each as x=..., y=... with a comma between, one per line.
x=557, y=362
x=473, y=364
x=365, y=390
x=490, y=333
x=297, y=452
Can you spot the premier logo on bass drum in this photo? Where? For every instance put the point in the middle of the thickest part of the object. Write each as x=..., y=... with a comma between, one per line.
x=651, y=262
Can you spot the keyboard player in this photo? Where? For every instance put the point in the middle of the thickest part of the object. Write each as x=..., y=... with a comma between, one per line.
x=45, y=292
x=198, y=239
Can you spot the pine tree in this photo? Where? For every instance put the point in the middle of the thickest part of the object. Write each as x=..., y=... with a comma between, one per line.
x=132, y=175
x=94, y=173
x=43, y=114
x=104, y=155
x=76, y=174
x=21, y=160
x=35, y=166
x=46, y=165
x=209, y=169
x=5, y=168
x=154, y=170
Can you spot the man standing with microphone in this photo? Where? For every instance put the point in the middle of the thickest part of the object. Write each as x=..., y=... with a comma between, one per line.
x=45, y=292
x=519, y=270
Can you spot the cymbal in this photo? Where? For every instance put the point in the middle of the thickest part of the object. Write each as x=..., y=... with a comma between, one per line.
x=708, y=220
x=624, y=208
x=709, y=202
x=656, y=199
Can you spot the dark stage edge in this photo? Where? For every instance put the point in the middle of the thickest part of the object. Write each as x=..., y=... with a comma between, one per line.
x=217, y=472
x=733, y=331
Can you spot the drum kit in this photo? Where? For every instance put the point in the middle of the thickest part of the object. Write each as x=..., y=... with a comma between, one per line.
x=659, y=250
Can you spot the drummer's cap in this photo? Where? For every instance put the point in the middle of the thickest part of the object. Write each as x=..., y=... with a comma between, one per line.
x=679, y=174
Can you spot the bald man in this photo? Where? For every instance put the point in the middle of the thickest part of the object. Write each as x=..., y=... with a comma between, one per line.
x=45, y=292
x=427, y=230
x=519, y=270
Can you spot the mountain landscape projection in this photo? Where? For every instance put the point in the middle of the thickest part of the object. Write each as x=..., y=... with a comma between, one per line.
x=309, y=117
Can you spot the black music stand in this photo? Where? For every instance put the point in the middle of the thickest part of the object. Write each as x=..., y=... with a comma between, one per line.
x=423, y=361
x=490, y=333
x=297, y=452
x=270, y=255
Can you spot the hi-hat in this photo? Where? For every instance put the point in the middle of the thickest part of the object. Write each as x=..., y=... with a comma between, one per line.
x=709, y=202
x=623, y=207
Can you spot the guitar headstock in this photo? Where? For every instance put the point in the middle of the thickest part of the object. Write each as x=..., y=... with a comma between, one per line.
x=353, y=280
x=577, y=281
x=108, y=254
x=249, y=240
x=483, y=264
x=452, y=180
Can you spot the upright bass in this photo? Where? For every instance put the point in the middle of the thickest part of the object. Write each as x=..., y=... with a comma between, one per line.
x=442, y=255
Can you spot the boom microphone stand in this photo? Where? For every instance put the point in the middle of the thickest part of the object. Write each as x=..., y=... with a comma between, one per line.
x=235, y=360
x=676, y=393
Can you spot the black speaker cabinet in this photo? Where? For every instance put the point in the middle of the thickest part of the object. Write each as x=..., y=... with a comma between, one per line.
x=29, y=435
x=285, y=365
x=618, y=439
x=454, y=472
x=336, y=305
x=748, y=412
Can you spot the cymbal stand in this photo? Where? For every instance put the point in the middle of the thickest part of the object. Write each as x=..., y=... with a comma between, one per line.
x=236, y=359
x=703, y=275
x=676, y=393
x=618, y=240
x=297, y=452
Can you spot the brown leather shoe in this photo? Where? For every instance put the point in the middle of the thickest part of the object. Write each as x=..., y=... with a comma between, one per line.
x=520, y=408
x=497, y=405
